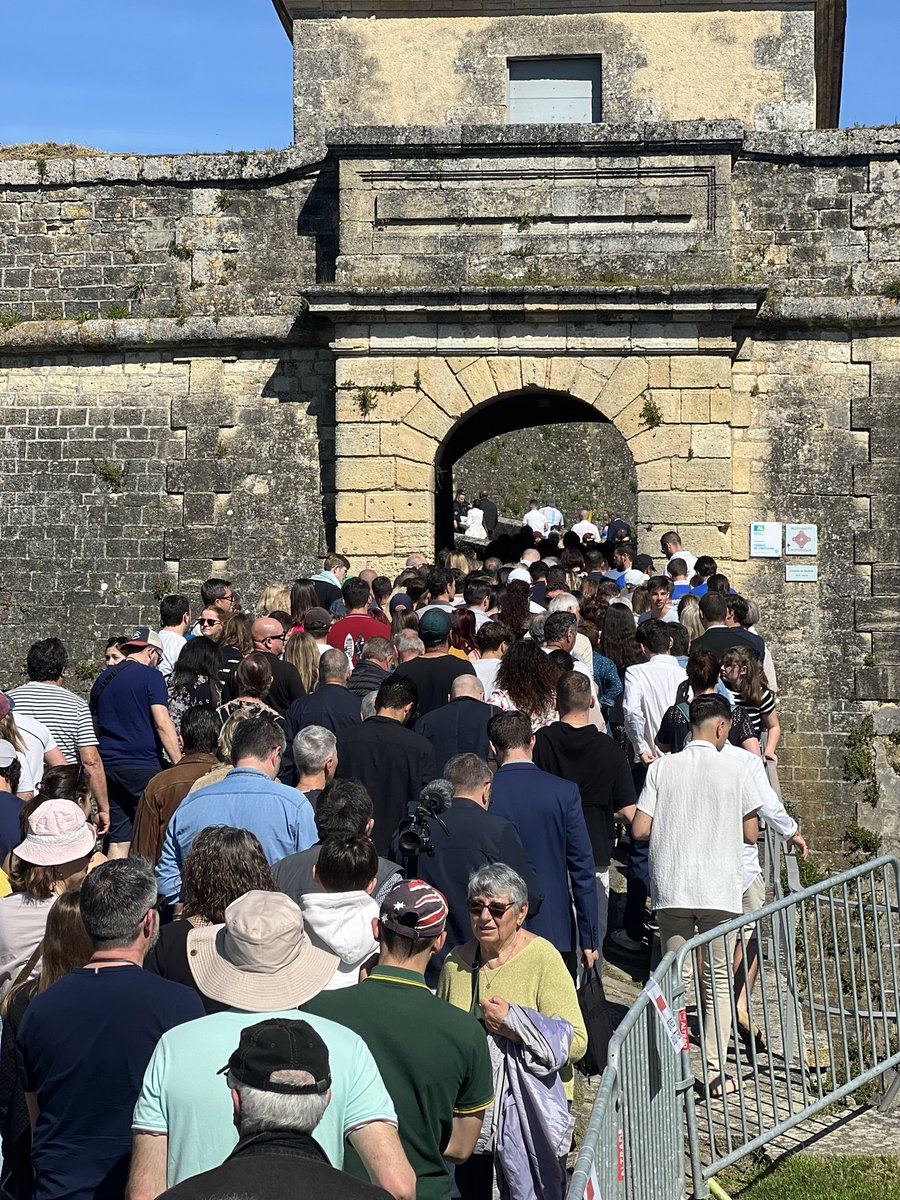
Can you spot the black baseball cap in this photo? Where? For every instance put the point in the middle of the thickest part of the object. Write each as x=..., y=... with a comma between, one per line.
x=281, y=1044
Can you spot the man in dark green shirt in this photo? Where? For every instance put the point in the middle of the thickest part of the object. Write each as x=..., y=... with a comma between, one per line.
x=433, y=1058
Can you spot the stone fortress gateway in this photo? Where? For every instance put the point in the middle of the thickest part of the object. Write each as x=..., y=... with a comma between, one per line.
x=496, y=213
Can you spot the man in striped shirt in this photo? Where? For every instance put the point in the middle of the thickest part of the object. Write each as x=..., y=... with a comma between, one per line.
x=66, y=715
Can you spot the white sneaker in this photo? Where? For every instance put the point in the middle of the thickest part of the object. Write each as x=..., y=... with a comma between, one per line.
x=620, y=938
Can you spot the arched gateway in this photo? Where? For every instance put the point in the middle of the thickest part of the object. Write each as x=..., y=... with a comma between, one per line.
x=657, y=364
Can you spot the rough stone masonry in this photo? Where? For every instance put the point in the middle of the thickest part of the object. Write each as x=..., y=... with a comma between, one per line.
x=227, y=363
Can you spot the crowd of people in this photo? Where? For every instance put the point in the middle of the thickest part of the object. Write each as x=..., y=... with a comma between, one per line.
x=299, y=899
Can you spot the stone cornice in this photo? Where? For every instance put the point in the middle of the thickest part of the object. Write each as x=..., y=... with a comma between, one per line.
x=688, y=302
x=401, y=141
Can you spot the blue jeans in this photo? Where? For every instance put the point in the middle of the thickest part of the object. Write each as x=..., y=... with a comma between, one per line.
x=637, y=873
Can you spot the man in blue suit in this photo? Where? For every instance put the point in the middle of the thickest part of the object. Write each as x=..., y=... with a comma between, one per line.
x=548, y=814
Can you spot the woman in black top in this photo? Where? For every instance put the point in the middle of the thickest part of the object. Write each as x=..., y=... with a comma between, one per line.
x=702, y=678
x=223, y=864
x=195, y=679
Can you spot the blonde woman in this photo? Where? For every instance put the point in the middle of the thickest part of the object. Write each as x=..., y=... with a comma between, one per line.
x=689, y=616
x=302, y=652
x=275, y=597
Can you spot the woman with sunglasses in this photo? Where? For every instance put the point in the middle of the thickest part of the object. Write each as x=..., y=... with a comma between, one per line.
x=503, y=976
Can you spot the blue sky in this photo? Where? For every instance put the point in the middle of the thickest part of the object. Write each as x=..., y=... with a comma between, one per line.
x=181, y=75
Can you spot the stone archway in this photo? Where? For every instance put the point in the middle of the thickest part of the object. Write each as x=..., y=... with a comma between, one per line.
x=525, y=409
x=406, y=379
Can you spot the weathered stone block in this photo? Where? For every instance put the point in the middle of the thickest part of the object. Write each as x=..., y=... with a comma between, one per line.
x=711, y=441
x=363, y=474
x=352, y=538
x=700, y=371
x=400, y=506
x=357, y=440
x=408, y=443
x=668, y=441
x=701, y=474
x=429, y=419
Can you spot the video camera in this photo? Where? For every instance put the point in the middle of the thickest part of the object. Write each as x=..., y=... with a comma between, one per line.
x=414, y=832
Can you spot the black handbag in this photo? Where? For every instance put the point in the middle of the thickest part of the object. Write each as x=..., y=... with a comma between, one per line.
x=595, y=1012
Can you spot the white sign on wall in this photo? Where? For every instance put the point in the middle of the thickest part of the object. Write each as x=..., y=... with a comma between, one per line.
x=797, y=573
x=801, y=539
x=765, y=539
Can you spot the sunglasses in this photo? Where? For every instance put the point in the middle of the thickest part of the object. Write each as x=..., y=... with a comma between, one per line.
x=209, y=621
x=497, y=911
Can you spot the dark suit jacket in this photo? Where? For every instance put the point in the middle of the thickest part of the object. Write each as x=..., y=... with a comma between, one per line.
x=460, y=727
x=547, y=813
x=393, y=763
x=331, y=706
x=472, y=839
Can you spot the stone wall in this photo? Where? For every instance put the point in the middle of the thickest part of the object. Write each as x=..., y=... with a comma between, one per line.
x=134, y=472
x=217, y=235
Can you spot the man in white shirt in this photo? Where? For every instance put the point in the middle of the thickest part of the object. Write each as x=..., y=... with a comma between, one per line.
x=650, y=689
x=492, y=641
x=670, y=544
x=174, y=621
x=698, y=810
x=586, y=527
x=535, y=519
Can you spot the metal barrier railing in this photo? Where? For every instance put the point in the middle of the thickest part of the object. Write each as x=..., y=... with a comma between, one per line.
x=822, y=1023
x=630, y=1135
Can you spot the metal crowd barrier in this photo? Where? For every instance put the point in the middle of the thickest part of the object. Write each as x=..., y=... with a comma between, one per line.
x=826, y=1009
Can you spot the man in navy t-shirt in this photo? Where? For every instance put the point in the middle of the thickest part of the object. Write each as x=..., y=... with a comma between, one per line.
x=130, y=706
x=85, y=1042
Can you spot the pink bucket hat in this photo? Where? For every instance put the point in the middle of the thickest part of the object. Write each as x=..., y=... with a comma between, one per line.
x=58, y=832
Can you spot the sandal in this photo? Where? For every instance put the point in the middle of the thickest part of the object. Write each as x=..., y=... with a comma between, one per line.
x=721, y=1085
x=752, y=1038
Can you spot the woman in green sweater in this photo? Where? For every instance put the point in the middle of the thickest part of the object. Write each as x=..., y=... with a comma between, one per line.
x=504, y=965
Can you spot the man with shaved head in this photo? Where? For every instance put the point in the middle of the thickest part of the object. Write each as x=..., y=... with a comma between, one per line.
x=268, y=639
x=459, y=727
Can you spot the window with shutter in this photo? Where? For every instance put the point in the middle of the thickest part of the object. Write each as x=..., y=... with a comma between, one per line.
x=553, y=90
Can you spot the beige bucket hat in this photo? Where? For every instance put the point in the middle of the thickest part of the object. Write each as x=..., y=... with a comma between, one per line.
x=261, y=959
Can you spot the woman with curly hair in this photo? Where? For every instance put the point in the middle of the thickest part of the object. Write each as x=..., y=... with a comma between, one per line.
x=527, y=681
x=301, y=651
x=195, y=679
x=223, y=864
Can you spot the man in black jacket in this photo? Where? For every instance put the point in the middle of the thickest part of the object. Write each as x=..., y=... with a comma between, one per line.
x=459, y=727
x=287, y=1058
x=331, y=705
x=391, y=761
x=465, y=837
x=574, y=749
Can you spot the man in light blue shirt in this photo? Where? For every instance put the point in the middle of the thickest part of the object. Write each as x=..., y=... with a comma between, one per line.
x=248, y=798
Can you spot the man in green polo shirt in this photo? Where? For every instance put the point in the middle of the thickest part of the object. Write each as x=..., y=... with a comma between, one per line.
x=433, y=1058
